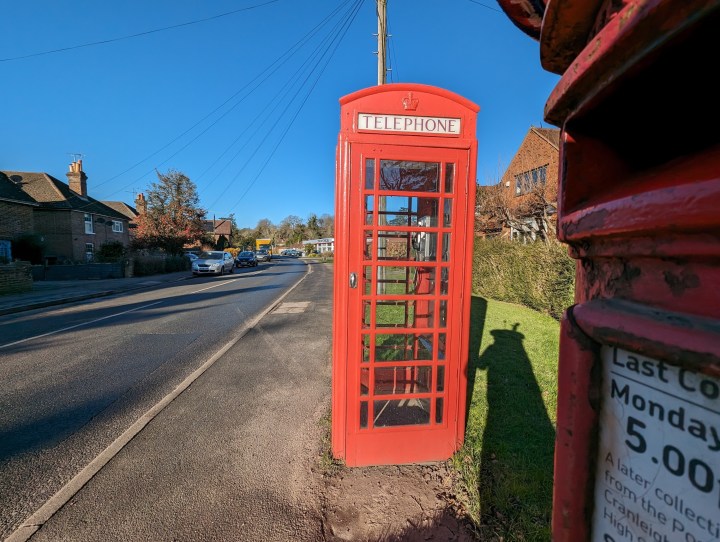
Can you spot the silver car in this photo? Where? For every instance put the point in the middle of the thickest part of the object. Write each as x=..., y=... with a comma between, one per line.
x=213, y=262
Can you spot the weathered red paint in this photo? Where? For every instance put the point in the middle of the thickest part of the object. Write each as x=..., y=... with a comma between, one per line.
x=639, y=206
x=364, y=386
x=527, y=15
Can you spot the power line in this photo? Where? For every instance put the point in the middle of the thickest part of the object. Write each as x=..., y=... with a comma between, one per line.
x=280, y=98
x=486, y=6
x=307, y=96
x=139, y=34
x=278, y=62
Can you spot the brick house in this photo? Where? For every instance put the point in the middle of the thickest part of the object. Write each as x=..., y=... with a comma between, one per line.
x=219, y=231
x=72, y=225
x=16, y=215
x=523, y=204
x=128, y=211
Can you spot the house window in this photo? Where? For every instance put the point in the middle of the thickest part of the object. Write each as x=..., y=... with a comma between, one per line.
x=526, y=181
x=117, y=226
x=89, y=223
x=89, y=252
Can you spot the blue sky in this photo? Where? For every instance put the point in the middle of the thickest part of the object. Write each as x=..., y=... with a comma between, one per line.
x=244, y=103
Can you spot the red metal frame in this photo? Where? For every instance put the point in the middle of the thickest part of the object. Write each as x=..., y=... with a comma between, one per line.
x=638, y=209
x=392, y=412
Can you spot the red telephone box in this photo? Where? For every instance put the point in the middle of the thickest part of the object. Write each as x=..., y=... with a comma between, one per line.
x=638, y=430
x=403, y=254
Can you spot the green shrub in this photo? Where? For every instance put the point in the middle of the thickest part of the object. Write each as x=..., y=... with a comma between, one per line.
x=112, y=251
x=155, y=264
x=539, y=275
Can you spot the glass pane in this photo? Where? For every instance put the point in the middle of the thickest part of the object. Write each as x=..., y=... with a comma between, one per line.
x=367, y=279
x=424, y=246
x=399, y=380
x=397, y=280
x=369, y=173
x=439, y=410
x=403, y=347
x=446, y=247
x=368, y=210
x=368, y=245
x=405, y=245
x=394, y=245
x=407, y=211
x=424, y=313
x=447, y=213
x=441, y=346
x=405, y=175
x=367, y=313
x=441, y=378
x=449, y=177
x=443, y=314
x=444, y=280
x=366, y=348
x=363, y=415
x=404, y=314
x=424, y=281
x=364, y=381
x=401, y=412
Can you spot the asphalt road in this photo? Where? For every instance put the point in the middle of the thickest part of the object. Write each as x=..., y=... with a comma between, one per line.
x=225, y=456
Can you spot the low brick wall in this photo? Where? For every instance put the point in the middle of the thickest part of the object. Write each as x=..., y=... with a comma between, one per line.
x=15, y=277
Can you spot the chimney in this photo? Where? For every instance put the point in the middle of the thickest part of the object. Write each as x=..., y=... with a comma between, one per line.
x=141, y=204
x=77, y=180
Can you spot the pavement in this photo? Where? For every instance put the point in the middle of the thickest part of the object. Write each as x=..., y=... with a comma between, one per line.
x=46, y=293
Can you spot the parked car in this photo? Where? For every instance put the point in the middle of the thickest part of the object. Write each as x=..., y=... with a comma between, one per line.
x=191, y=256
x=263, y=255
x=246, y=259
x=293, y=253
x=214, y=262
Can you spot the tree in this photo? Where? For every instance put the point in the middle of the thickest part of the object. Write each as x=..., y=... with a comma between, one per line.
x=291, y=230
x=265, y=229
x=328, y=225
x=314, y=228
x=173, y=217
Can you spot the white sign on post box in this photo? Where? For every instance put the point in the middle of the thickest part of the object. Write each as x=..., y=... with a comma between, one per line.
x=658, y=464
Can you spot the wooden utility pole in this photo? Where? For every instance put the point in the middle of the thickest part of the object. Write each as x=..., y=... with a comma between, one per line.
x=382, y=41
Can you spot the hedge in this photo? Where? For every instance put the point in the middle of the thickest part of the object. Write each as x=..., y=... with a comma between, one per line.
x=538, y=275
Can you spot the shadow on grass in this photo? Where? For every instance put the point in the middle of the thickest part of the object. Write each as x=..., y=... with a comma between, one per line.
x=516, y=471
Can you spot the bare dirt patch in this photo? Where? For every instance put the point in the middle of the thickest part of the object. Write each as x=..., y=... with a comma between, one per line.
x=392, y=503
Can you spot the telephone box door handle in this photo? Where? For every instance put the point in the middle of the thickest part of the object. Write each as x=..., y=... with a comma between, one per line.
x=353, y=280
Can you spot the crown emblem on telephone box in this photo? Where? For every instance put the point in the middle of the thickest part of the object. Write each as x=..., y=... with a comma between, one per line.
x=410, y=103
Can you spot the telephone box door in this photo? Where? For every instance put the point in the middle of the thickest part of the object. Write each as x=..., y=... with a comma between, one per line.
x=403, y=376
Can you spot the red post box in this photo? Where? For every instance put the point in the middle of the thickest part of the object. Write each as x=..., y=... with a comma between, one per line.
x=638, y=431
x=404, y=218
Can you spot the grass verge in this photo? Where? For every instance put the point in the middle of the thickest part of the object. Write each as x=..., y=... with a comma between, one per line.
x=506, y=463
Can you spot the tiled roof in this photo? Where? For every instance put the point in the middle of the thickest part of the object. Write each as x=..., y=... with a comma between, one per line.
x=123, y=208
x=9, y=191
x=51, y=193
x=552, y=135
